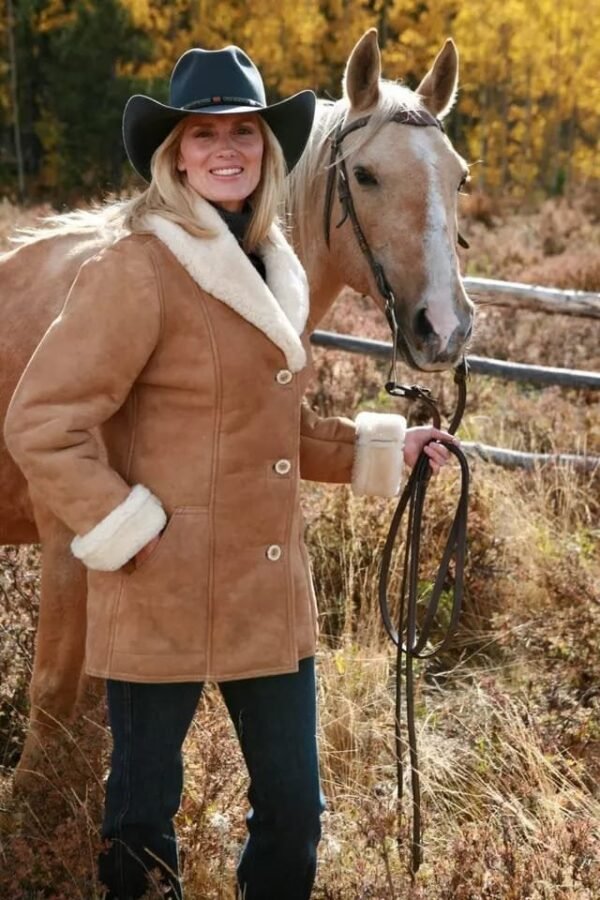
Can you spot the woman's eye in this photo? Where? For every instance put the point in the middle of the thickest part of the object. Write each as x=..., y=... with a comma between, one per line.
x=242, y=130
x=364, y=177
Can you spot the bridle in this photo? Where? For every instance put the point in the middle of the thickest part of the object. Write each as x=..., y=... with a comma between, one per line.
x=411, y=643
x=337, y=176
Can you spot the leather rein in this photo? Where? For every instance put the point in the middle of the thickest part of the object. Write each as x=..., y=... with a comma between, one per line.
x=416, y=621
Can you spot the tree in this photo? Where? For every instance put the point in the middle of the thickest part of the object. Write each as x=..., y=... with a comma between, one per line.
x=14, y=97
x=71, y=93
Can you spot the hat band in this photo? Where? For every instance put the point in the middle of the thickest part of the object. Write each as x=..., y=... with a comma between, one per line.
x=220, y=101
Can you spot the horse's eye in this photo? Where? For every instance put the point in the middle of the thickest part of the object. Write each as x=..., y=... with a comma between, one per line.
x=464, y=181
x=364, y=177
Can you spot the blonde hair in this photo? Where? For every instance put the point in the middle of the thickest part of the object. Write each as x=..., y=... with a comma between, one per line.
x=169, y=195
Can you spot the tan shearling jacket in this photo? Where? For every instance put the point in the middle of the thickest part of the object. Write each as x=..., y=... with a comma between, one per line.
x=191, y=369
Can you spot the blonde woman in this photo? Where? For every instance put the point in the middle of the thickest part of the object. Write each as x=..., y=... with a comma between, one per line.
x=183, y=347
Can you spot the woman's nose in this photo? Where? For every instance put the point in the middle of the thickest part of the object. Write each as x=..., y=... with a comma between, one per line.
x=225, y=142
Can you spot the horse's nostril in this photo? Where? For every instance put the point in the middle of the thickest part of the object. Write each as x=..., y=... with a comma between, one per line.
x=423, y=327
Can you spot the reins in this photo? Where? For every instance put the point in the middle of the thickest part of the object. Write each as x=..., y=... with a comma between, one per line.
x=411, y=637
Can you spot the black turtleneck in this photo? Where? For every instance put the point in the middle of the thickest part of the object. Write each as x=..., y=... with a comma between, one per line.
x=238, y=223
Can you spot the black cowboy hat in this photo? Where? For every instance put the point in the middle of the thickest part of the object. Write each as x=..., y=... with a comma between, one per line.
x=214, y=81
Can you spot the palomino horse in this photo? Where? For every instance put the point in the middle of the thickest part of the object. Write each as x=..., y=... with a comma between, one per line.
x=404, y=182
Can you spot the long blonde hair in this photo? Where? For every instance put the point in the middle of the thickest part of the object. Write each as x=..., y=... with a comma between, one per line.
x=169, y=195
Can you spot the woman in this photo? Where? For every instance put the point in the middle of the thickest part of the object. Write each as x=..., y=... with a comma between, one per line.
x=183, y=347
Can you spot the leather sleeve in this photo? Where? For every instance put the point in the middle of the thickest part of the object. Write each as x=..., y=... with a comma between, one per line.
x=326, y=447
x=80, y=374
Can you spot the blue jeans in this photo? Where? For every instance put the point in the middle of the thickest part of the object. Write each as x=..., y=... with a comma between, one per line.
x=275, y=720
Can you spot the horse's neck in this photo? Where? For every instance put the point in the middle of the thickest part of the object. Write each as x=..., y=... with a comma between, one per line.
x=324, y=282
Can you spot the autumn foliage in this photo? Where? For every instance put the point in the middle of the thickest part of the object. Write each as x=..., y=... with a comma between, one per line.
x=527, y=114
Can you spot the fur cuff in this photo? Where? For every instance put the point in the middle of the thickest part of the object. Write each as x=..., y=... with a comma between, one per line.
x=124, y=531
x=379, y=454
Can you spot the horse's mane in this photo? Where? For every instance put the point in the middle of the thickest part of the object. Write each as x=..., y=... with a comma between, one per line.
x=103, y=222
x=305, y=188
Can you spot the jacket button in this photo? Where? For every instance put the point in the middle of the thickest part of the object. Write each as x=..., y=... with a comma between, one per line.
x=273, y=552
x=284, y=376
x=282, y=466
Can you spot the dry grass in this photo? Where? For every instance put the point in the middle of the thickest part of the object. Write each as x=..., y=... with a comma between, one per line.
x=509, y=717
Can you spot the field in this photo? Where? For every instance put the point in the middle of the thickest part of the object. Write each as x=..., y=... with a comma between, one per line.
x=508, y=719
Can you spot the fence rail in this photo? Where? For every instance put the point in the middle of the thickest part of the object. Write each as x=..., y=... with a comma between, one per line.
x=518, y=459
x=479, y=365
x=536, y=297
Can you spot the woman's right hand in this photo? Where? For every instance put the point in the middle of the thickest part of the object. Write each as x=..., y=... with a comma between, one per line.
x=426, y=438
x=145, y=552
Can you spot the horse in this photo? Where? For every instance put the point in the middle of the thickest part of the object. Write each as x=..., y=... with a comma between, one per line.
x=403, y=182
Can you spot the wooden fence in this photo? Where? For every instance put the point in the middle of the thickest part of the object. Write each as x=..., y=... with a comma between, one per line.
x=527, y=296
x=541, y=299
x=478, y=365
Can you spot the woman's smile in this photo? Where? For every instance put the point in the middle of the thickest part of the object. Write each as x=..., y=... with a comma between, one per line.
x=227, y=172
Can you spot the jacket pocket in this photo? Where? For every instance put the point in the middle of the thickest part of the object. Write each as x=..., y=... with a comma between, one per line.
x=164, y=601
x=161, y=537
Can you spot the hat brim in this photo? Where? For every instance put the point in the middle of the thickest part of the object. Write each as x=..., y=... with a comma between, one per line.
x=147, y=122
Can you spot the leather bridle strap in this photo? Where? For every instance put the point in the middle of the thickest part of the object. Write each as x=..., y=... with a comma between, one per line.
x=338, y=174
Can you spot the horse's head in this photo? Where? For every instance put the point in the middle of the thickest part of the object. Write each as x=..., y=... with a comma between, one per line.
x=404, y=180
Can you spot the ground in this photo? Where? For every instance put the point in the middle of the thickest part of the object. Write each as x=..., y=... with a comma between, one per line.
x=508, y=719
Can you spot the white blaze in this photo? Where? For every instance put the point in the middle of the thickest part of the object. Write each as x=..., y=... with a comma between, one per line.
x=438, y=295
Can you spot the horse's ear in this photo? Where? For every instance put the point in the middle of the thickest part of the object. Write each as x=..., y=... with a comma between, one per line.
x=363, y=71
x=438, y=88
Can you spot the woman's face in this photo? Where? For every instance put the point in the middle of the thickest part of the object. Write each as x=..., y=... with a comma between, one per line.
x=221, y=156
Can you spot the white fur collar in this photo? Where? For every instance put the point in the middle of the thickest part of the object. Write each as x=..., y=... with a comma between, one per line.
x=278, y=308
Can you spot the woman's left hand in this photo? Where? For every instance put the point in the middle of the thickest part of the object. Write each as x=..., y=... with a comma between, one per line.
x=417, y=439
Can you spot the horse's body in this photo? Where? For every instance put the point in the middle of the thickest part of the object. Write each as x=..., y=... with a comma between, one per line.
x=407, y=206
